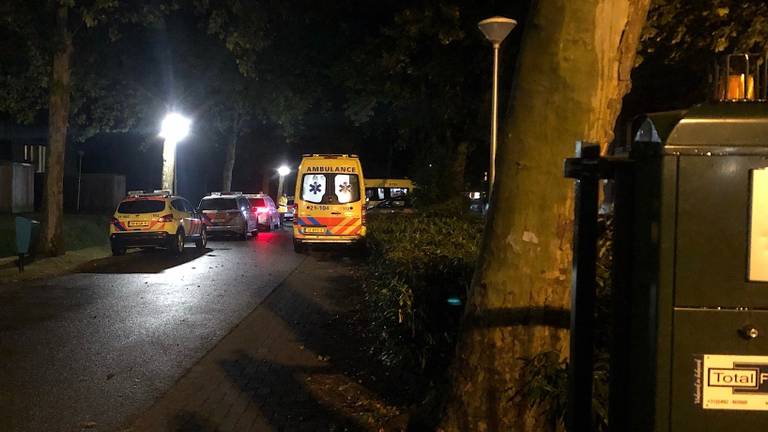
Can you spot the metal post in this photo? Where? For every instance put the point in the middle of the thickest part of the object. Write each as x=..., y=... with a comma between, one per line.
x=583, y=289
x=494, y=119
x=621, y=276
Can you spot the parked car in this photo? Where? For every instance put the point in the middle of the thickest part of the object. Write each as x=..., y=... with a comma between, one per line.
x=229, y=213
x=287, y=208
x=265, y=211
x=150, y=219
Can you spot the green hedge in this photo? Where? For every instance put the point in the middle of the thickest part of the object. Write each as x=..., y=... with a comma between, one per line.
x=80, y=231
x=417, y=263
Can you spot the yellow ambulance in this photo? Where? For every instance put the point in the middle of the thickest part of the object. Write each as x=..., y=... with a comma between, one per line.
x=330, y=201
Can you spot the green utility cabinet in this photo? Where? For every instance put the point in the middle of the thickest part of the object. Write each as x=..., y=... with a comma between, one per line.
x=697, y=329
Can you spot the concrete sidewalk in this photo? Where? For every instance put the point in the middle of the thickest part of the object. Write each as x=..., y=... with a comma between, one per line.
x=285, y=367
x=49, y=267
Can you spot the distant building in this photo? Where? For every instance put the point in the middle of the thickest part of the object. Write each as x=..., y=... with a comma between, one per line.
x=22, y=157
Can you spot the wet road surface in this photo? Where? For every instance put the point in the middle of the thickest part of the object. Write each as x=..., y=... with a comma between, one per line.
x=92, y=348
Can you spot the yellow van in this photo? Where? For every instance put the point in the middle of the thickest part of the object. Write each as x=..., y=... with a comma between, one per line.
x=330, y=201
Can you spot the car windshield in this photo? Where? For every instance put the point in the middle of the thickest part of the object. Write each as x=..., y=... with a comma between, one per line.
x=141, y=206
x=330, y=188
x=218, y=204
x=257, y=202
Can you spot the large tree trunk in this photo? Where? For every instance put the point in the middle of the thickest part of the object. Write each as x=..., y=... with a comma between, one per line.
x=229, y=156
x=572, y=74
x=169, y=165
x=51, y=241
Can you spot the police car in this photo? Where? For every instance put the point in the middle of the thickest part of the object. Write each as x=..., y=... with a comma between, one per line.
x=149, y=219
x=264, y=210
x=229, y=213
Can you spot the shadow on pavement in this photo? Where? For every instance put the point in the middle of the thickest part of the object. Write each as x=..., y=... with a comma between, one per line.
x=346, y=392
x=282, y=395
x=336, y=253
x=187, y=421
x=142, y=261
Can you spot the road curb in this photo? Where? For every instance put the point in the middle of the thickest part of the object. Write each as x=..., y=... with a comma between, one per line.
x=49, y=267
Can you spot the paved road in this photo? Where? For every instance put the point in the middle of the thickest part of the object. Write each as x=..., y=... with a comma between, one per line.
x=98, y=346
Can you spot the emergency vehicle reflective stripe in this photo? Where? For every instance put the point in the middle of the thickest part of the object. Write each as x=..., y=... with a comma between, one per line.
x=335, y=225
x=346, y=227
x=353, y=229
x=119, y=226
x=310, y=221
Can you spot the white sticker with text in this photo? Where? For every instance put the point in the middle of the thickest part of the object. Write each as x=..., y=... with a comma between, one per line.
x=732, y=382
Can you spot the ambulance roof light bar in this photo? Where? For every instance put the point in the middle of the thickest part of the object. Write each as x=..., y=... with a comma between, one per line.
x=329, y=155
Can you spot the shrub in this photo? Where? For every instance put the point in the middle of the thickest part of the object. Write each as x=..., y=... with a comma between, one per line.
x=417, y=263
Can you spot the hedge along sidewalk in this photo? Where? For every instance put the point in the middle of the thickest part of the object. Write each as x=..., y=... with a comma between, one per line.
x=85, y=235
x=81, y=231
x=49, y=267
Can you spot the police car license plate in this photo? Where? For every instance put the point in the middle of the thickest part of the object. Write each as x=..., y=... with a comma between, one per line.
x=138, y=223
x=314, y=230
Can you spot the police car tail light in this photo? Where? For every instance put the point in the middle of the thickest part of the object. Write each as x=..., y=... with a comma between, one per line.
x=166, y=218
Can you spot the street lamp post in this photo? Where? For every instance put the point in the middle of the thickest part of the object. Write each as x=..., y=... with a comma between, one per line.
x=174, y=128
x=282, y=172
x=495, y=30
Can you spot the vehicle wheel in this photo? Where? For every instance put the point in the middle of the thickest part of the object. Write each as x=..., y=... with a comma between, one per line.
x=176, y=246
x=298, y=246
x=118, y=251
x=202, y=242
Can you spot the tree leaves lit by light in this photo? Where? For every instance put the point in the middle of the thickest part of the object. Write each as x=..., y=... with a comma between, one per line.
x=684, y=29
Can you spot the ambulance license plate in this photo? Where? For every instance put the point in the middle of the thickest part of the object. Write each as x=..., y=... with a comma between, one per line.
x=138, y=223
x=314, y=230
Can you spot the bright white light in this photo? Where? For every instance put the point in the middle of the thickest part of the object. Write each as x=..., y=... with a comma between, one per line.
x=283, y=171
x=174, y=127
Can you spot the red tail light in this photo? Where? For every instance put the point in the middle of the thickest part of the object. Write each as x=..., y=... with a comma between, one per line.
x=114, y=220
x=166, y=218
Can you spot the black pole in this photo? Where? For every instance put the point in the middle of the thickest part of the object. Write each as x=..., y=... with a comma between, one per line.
x=580, y=371
x=621, y=277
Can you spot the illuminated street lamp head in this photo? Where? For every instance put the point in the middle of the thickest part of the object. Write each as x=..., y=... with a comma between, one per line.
x=174, y=127
x=496, y=28
x=283, y=171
